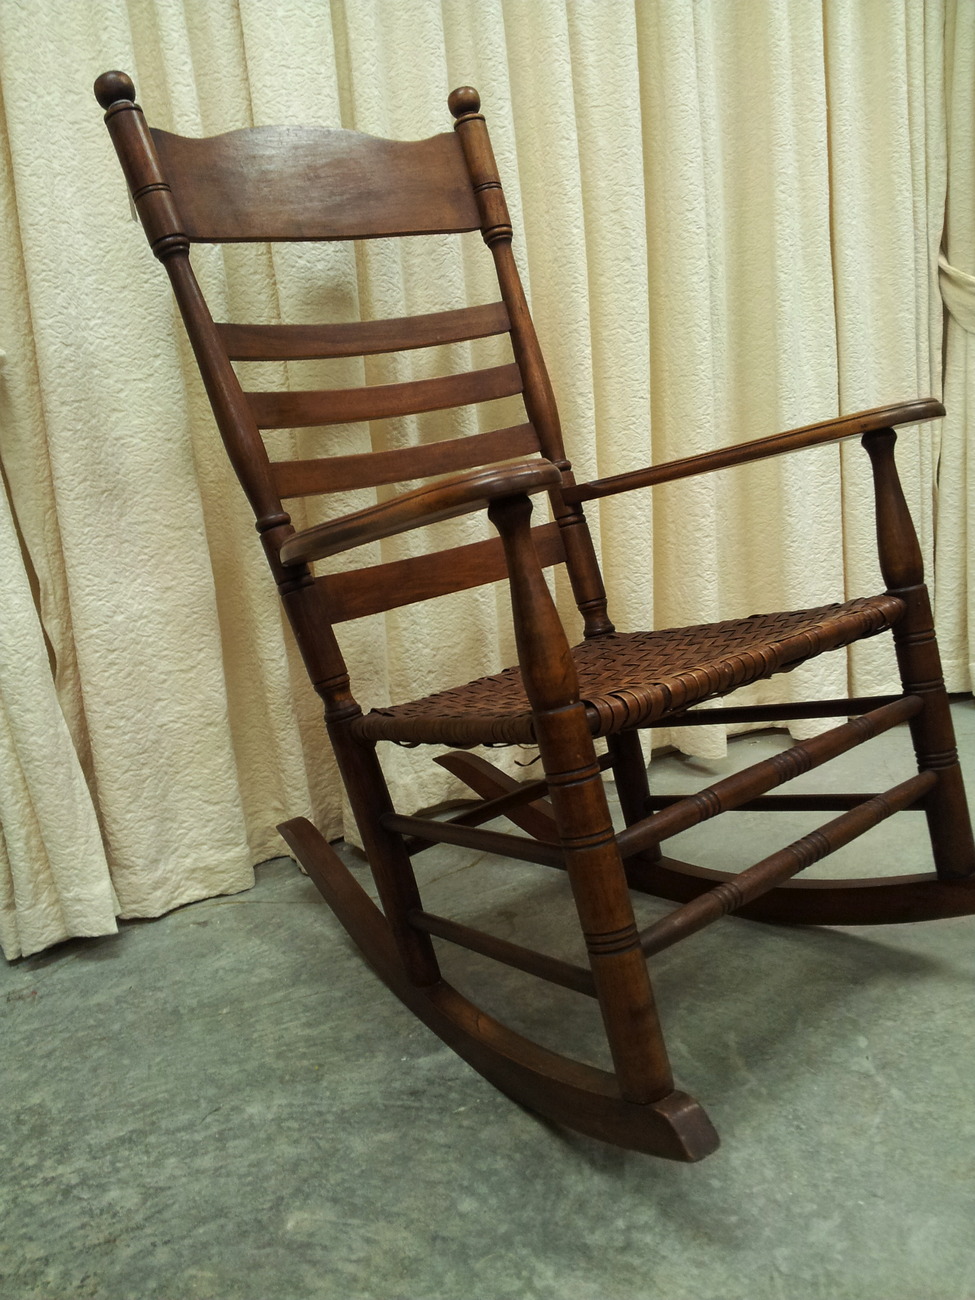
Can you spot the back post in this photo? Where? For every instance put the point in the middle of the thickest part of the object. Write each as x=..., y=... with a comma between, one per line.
x=161, y=222
x=583, y=567
x=301, y=593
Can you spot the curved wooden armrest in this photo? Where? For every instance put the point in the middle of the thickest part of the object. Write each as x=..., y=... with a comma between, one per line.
x=443, y=499
x=811, y=435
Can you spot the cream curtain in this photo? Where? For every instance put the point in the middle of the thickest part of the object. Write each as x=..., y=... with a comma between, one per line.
x=729, y=220
x=956, y=502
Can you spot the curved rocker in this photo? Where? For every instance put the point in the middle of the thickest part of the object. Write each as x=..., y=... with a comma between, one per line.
x=584, y=1098
x=865, y=900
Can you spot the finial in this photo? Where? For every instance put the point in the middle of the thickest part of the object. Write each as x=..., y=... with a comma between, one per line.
x=113, y=86
x=463, y=100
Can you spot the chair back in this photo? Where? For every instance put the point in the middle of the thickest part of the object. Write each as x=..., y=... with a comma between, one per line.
x=272, y=184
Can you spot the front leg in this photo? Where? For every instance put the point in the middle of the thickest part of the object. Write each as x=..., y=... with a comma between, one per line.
x=582, y=816
x=916, y=645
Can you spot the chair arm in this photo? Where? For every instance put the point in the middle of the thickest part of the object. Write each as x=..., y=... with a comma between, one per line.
x=811, y=435
x=442, y=499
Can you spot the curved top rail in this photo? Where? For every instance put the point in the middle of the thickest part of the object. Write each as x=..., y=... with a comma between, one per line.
x=299, y=182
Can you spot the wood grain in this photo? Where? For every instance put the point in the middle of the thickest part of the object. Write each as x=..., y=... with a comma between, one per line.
x=361, y=338
x=291, y=410
x=297, y=478
x=442, y=499
x=356, y=593
x=810, y=435
x=300, y=183
x=275, y=183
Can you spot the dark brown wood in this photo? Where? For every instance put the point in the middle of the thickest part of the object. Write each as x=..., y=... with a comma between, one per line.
x=316, y=640
x=472, y=837
x=355, y=593
x=382, y=401
x=810, y=435
x=361, y=338
x=535, y=817
x=442, y=499
x=707, y=715
x=299, y=478
x=164, y=229
x=148, y=186
x=920, y=664
x=587, y=583
x=274, y=183
x=741, y=787
x=632, y=784
x=546, y=967
x=779, y=802
x=516, y=802
x=865, y=900
x=568, y=1092
x=391, y=867
x=293, y=182
x=732, y=894
x=585, y=829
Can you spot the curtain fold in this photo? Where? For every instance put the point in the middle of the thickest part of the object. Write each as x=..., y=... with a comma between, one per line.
x=54, y=880
x=958, y=292
x=728, y=219
x=956, y=496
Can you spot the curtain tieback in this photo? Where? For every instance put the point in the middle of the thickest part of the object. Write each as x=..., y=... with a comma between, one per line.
x=958, y=292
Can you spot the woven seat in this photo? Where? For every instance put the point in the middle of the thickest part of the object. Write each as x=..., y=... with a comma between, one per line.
x=630, y=679
x=290, y=183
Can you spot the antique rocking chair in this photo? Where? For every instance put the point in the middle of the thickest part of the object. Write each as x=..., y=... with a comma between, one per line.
x=268, y=184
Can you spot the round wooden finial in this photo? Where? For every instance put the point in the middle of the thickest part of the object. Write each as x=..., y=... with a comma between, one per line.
x=113, y=86
x=463, y=100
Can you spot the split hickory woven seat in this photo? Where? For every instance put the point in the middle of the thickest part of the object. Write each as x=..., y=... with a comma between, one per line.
x=273, y=184
x=631, y=679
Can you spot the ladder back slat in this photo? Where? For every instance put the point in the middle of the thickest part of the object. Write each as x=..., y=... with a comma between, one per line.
x=381, y=401
x=298, y=478
x=290, y=182
x=359, y=592
x=361, y=338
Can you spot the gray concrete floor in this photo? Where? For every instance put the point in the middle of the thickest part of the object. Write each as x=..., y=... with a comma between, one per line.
x=225, y=1103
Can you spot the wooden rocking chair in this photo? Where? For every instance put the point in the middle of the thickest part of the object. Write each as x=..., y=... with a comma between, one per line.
x=269, y=184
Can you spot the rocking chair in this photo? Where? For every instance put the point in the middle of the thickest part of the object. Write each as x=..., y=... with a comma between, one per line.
x=279, y=184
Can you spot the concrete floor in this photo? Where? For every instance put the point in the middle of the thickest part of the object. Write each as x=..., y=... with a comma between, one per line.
x=225, y=1103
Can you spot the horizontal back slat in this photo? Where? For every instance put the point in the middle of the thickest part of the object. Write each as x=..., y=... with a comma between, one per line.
x=381, y=401
x=289, y=182
x=361, y=338
x=297, y=478
x=421, y=577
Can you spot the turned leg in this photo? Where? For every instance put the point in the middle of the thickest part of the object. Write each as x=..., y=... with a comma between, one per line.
x=602, y=899
x=362, y=773
x=916, y=645
x=389, y=861
x=630, y=775
x=586, y=833
x=632, y=784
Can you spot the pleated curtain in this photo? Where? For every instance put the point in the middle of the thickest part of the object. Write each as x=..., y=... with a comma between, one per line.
x=955, y=555
x=728, y=218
